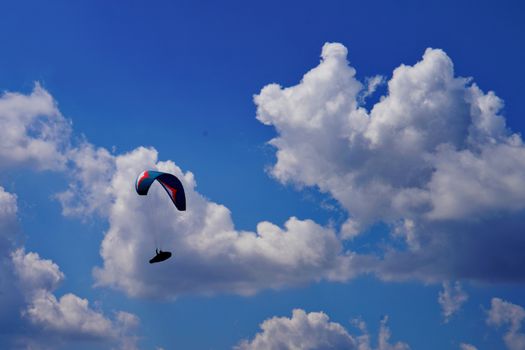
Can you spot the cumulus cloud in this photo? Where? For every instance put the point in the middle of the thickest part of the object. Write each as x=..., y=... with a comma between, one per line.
x=67, y=319
x=302, y=331
x=209, y=254
x=89, y=166
x=315, y=331
x=433, y=159
x=33, y=132
x=504, y=313
x=69, y=316
x=451, y=298
x=35, y=273
x=32, y=315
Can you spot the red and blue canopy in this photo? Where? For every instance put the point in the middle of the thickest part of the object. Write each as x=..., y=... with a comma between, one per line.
x=169, y=182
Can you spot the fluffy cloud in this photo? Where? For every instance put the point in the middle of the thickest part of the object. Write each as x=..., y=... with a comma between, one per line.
x=451, y=299
x=433, y=159
x=302, y=331
x=32, y=315
x=379, y=165
x=91, y=167
x=504, y=313
x=428, y=158
x=209, y=254
x=33, y=132
x=69, y=316
x=35, y=273
x=465, y=346
x=63, y=320
x=315, y=331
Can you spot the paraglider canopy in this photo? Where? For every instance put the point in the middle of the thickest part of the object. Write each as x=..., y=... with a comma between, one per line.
x=169, y=182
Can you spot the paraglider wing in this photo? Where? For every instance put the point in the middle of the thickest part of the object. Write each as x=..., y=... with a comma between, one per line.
x=169, y=182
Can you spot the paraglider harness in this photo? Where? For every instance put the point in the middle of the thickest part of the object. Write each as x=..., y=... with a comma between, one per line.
x=160, y=256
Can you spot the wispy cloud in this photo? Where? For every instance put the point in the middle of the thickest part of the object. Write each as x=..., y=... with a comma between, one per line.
x=502, y=313
x=451, y=298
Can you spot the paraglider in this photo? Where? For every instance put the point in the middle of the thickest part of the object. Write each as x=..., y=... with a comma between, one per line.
x=173, y=187
x=160, y=256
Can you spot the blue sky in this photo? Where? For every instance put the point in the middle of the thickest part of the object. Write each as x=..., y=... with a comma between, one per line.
x=431, y=181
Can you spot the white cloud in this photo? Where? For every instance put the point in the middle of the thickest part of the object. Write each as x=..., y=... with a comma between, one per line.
x=69, y=316
x=37, y=279
x=372, y=83
x=315, y=331
x=8, y=222
x=93, y=166
x=433, y=159
x=393, y=164
x=32, y=315
x=465, y=346
x=9, y=298
x=35, y=273
x=33, y=131
x=467, y=183
x=209, y=254
x=384, y=338
x=8, y=207
x=302, y=331
x=451, y=298
x=504, y=313
x=387, y=156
